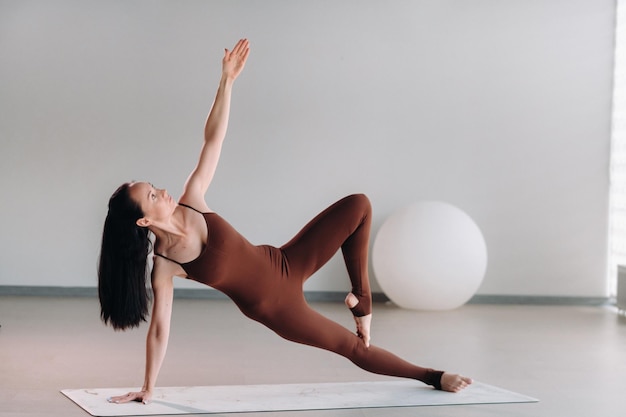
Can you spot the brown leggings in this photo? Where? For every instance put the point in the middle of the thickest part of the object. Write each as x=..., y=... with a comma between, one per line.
x=346, y=225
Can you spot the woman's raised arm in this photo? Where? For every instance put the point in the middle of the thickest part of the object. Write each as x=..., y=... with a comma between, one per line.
x=215, y=128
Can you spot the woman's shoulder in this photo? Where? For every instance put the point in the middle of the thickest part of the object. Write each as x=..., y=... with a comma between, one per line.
x=163, y=270
x=195, y=202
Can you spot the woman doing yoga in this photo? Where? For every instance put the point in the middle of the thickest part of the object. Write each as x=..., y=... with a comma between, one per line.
x=265, y=282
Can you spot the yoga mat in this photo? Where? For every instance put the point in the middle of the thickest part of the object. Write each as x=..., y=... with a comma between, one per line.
x=289, y=397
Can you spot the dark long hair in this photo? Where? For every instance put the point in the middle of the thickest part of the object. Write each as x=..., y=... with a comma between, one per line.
x=122, y=270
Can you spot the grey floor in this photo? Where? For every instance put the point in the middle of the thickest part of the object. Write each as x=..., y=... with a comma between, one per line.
x=572, y=358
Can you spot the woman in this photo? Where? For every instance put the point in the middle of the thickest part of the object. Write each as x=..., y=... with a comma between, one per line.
x=265, y=282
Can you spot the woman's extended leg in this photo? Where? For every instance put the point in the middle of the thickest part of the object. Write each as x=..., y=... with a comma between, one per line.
x=299, y=323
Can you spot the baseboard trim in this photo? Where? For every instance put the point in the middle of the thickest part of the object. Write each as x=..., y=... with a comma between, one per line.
x=182, y=293
x=312, y=296
x=43, y=291
x=540, y=300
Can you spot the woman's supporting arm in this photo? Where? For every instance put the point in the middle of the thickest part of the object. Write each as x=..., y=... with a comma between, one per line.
x=215, y=128
x=158, y=333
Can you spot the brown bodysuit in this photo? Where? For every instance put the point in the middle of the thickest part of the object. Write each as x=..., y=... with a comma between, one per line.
x=266, y=282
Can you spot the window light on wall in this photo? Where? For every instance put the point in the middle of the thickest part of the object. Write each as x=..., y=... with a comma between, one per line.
x=617, y=199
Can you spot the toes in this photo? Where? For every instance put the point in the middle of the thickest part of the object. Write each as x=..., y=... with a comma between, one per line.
x=463, y=383
x=455, y=383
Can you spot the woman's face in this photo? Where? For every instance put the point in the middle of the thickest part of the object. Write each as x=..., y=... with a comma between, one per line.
x=157, y=205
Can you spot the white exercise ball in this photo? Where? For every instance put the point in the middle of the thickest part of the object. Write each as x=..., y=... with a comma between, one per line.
x=429, y=256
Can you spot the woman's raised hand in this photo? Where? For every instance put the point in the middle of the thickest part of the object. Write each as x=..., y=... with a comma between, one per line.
x=235, y=60
x=141, y=396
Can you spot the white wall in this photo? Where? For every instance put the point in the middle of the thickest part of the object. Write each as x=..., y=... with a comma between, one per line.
x=499, y=107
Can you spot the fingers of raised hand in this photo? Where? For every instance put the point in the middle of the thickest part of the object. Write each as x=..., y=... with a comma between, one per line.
x=241, y=46
x=240, y=50
x=235, y=60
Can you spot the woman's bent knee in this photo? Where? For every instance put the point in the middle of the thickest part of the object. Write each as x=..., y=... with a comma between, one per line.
x=361, y=201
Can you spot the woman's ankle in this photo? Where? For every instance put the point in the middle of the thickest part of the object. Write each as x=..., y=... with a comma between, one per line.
x=358, y=306
x=351, y=300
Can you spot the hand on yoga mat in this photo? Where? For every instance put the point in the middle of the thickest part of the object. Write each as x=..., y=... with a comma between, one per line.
x=141, y=396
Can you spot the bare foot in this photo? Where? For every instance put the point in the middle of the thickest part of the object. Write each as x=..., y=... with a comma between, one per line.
x=454, y=382
x=362, y=323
